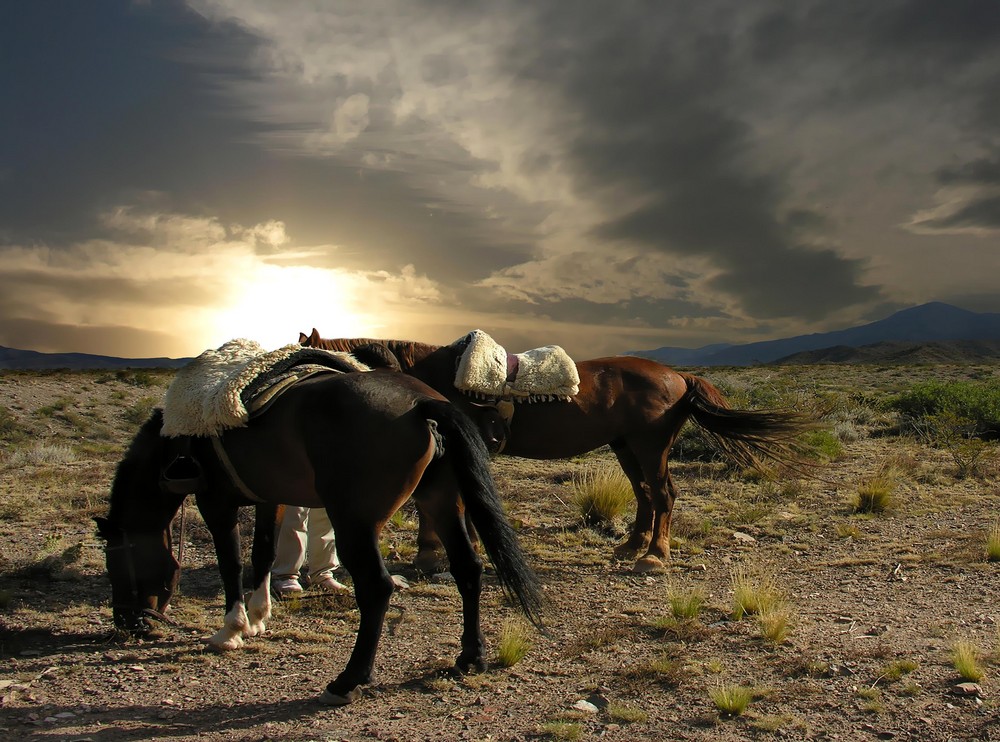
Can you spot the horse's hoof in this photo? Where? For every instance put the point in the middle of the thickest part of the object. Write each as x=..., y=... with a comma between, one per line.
x=649, y=563
x=470, y=667
x=430, y=564
x=625, y=552
x=336, y=699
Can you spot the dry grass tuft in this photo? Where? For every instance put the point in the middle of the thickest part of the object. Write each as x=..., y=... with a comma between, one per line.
x=731, y=700
x=965, y=660
x=755, y=589
x=993, y=543
x=515, y=642
x=602, y=494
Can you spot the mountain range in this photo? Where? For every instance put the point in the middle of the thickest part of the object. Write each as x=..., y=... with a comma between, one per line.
x=929, y=333
x=12, y=358
x=934, y=322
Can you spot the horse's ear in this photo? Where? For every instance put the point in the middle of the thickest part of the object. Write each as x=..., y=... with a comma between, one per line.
x=314, y=337
x=303, y=338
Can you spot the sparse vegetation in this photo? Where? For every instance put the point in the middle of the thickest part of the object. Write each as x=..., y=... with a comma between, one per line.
x=686, y=602
x=651, y=645
x=965, y=659
x=755, y=589
x=602, y=494
x=731, y=700
x=993, y=543
x=874, y=494
x=514, y=644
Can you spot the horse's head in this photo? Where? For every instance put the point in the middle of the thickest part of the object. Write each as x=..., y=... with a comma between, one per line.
x=143, y=573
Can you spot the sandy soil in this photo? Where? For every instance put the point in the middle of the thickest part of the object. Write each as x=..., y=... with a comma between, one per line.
x=877, y=603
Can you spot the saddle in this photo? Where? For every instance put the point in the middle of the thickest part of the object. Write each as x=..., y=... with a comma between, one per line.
x=487, y=371
x=226, y=388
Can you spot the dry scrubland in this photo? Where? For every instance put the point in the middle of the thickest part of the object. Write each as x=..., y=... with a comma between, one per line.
x=785, y=612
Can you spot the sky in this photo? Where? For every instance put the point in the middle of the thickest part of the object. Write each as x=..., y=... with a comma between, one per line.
x=604, y=176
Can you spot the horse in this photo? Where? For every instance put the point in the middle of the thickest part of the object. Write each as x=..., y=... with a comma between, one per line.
x=358, y=444
x=634, y=405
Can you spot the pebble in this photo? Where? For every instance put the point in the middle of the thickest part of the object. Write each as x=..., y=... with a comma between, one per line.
x=585, y=706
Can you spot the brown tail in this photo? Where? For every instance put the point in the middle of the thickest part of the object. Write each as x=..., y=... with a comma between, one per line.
x=750, y=438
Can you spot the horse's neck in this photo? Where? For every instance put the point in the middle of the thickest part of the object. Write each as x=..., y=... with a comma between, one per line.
x=407, y=352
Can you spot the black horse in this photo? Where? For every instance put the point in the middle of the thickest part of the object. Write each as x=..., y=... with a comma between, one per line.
x=358, y=444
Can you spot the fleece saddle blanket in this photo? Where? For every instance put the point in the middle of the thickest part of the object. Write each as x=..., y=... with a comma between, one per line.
x=218, y=389
x=488, y=371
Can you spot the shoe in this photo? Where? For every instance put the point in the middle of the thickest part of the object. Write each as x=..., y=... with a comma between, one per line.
x=330, y=585
x=286, y=586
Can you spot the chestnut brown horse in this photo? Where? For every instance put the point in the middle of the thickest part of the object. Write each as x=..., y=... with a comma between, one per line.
x=634, y=405
x=358, y=444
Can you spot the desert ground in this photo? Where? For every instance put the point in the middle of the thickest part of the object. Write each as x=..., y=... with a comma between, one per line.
x=854, y=638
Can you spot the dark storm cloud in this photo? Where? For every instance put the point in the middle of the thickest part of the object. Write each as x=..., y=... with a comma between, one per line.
x=650, y=91
x=99, y=106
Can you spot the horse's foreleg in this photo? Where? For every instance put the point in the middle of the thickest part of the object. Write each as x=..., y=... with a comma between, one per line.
x=357, y=546
x=221, y=522
x=262, y=557
x=642, y=528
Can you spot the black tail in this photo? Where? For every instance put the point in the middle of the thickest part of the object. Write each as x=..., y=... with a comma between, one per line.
x=470, y=461
x=751, y=438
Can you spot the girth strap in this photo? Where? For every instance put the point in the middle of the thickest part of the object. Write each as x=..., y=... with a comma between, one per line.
x=234, y=477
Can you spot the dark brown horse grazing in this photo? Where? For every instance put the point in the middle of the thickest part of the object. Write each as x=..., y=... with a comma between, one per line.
x=634, y=405
x=359, y=444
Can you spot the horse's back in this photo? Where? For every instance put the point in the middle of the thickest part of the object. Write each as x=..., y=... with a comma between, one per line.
x=358, y=427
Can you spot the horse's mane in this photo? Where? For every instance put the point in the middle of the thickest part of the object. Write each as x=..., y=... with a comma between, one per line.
x=132, y=468
x=407, y=352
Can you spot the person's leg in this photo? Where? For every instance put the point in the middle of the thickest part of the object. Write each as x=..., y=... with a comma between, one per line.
x=290, y=550
x=322, y=549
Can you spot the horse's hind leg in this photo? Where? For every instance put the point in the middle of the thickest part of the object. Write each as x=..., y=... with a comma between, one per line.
x=642, y=528
x=262, y=557
x=357, y=546
x=466, y=567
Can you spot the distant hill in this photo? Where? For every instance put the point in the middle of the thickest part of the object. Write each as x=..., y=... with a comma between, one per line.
x=11, y=358
x=910, y=354
x=927, y=323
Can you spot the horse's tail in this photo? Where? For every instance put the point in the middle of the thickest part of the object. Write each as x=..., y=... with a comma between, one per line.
x=471, y=464
x=750, y=438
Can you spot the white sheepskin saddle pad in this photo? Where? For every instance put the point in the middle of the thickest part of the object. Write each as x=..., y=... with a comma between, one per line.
x=486, y=370
x=211, y=393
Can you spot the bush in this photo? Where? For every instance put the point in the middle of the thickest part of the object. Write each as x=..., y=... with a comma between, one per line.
x=976, y=402
x=10, y=430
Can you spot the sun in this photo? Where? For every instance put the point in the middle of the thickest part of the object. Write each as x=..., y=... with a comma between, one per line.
x=273, y=304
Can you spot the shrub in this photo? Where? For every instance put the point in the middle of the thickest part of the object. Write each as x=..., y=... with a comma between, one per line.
x=822, y=444
x=140, y=410
x=10, y=430
x=976, y=402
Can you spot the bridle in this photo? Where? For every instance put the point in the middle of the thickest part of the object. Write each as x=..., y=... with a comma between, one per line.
x=128, y=547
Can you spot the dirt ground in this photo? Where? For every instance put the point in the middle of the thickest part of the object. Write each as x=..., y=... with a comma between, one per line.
x=877, y=603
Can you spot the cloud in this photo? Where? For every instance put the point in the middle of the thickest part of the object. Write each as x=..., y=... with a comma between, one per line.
x=181, y=283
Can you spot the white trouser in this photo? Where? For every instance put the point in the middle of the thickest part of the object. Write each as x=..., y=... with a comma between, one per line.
x=305, y=530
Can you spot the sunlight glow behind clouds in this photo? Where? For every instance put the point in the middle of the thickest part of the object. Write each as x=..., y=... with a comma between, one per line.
x=199, y=284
